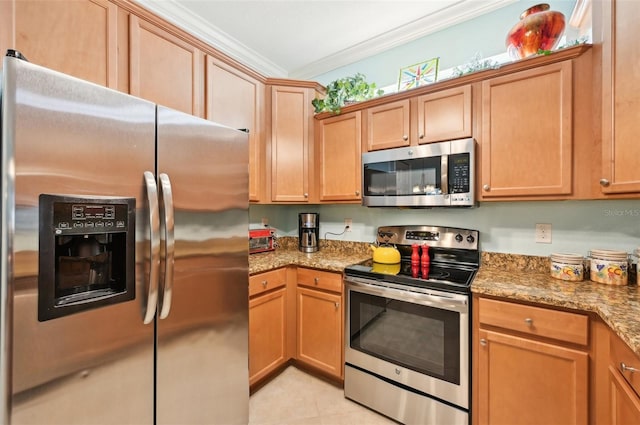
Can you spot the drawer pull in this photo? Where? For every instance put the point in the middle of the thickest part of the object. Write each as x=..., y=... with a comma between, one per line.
x=626, y=368
x=528, y=321
x=316, y=280
x=264, y=283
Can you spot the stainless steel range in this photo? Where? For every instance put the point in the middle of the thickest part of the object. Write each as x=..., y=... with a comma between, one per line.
x=407, y=337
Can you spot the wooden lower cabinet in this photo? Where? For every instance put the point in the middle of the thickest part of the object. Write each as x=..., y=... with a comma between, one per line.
x=267, y=323
x=523, y=381
x=320, y=321
x=524, y=373
x=624, y=384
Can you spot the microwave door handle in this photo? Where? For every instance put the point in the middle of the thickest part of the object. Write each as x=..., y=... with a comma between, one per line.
x=170, y=245
x=154, y=242
x=444, y=174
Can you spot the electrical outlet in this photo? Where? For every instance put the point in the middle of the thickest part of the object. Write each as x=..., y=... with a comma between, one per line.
x=543, y=233
x=348, y=223
x=265, y=222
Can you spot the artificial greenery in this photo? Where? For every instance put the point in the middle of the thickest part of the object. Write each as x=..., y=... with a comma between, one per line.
x=343, y=90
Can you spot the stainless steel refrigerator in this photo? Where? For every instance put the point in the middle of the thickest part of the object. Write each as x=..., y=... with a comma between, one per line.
x=124, y=258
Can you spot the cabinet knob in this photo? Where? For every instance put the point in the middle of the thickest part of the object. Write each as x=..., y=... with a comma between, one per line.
x=483, y=342
x=528, y=321
x=316, y=280
x=337, y=305
x=306, y=195
x=421, y=136
x=486, y=187
x=626, y=368
x=264, y=283
x=405, y=137
x=357, y=193
x=604, y=182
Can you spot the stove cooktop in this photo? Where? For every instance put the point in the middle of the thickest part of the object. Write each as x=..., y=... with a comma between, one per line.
x=453, y=252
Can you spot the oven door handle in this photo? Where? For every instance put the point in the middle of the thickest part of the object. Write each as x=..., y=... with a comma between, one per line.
x=452, y=302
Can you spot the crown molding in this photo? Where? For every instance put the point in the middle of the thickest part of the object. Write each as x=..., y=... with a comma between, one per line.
x=178, y=15
x=457, y=13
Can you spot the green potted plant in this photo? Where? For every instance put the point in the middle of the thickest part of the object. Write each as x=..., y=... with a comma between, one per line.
x=345, y=90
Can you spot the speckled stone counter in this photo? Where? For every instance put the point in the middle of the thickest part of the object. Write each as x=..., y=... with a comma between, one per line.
x=514, y=277
x=617, y=306
x=332, y=256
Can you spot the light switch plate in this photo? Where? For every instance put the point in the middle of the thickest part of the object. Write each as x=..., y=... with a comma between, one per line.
x=543, y=233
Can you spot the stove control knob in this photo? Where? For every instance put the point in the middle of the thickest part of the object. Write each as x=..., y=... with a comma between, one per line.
x=471, y=239
x=458, y=237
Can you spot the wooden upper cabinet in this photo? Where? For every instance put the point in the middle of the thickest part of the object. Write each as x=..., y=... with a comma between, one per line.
x=236, y=99
x=338, y=144
x=78, y=38
x=387, y=126
x=290, y=144
x=527, y=133
x=444, y=115
x=164, y=68
x=620, y=97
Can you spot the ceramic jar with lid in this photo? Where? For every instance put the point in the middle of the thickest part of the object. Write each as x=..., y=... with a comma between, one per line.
x=568, y=267
x=609, y=266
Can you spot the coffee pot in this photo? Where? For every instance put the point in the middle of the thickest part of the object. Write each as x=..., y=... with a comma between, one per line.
x=308, y=232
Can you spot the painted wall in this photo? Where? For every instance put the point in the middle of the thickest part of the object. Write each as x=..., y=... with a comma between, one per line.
x=454, y=46
x=509, y=227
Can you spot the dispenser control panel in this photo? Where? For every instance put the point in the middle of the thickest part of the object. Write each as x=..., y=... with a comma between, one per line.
x=69, y=218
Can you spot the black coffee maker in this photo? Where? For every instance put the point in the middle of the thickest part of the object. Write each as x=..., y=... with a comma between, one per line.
x=308, y=232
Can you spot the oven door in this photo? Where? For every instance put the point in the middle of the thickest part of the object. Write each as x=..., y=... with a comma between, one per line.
x=419, y=340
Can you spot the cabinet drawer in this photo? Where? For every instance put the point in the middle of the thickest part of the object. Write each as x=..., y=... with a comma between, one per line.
x=626, y=362
x=560, y=325
x=319, y=279
x=267, y=281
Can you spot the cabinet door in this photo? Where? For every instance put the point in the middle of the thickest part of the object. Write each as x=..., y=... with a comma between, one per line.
x=164, y=68
x=444, y=115
x=523, y=381
x=387, y=126
x=78, y=38
x=236, y=99
x=625, y=404
x=339, y=153
x=267, y=333
x=621, y=97
x=290, y=126
x=527, y=126
x=320, y=330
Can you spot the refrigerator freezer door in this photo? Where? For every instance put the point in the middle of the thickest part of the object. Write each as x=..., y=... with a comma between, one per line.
x=69, y=137
x=202, y=354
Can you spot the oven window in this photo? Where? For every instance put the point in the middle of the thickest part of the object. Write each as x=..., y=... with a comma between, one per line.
x=420, y=176
x=418, y=337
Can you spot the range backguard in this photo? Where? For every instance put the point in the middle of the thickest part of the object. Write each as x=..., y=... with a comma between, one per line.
x=87, y=253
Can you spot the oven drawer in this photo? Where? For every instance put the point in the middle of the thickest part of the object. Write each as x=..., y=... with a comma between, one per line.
x=267, y=281
x=626, y=362
x=320, y=280
x=543, y=322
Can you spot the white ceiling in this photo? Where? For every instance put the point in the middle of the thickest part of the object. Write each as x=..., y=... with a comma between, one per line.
x=305, y=38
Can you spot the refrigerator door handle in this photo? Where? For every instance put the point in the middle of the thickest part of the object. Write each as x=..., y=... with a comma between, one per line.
x=154, y=239
x=170, y=245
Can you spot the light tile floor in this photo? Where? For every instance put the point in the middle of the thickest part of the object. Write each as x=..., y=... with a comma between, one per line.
x=297, y=398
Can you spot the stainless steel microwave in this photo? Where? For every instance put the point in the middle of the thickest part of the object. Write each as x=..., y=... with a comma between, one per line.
x=433, y=175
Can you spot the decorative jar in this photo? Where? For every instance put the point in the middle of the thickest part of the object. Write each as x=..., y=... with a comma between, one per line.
x=609, y=266
x=567, y=267
x=538, y=29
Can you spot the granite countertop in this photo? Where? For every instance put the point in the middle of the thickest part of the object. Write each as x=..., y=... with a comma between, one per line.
x=514, y=277
x=617, y=306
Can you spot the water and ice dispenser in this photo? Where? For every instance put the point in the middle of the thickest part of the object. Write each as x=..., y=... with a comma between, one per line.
x=87, y=253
